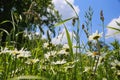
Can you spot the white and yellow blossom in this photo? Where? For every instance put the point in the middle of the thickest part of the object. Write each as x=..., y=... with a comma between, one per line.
x=32, y=61
x=20, y=53
x=50, y=54
x=93, y=54
x=115, y=64
x=87, y=69
x=59, y=62
x=4, y=50
x=45, y=45
x=24, y=54
x=63, y=52
x=95, y=36
x=65, y=46
x=14, y=52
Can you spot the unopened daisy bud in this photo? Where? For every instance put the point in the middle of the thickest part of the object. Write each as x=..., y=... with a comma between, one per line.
x=102, y=18
x=101, y=15
x=73, y=21
x=83, y=26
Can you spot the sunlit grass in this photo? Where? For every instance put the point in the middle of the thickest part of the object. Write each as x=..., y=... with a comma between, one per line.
x=40, y=59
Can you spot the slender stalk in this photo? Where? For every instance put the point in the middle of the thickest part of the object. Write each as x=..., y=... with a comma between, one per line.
x=31, y=67
x=5, y=67
x=15, y=60
x=103, y=31
x=98, y=47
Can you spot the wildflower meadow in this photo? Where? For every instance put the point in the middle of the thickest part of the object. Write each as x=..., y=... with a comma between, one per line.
x=27, y=55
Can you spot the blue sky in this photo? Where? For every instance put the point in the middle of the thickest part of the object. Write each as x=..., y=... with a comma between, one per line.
x=110, y=9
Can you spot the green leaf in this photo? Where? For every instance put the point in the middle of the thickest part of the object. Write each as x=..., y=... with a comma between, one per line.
x=69, y=41
x=118, y=23
x=72, y=7
x=62, y=22
x=19, y=33
x=3, y=22
x=13, y=21
x=114, y=28
x=4, y=31
x=117, y=31
x=48, y=36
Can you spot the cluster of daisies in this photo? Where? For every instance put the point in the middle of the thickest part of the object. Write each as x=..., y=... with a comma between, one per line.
x=22, y=53
x=100, y=57
x=59, y=57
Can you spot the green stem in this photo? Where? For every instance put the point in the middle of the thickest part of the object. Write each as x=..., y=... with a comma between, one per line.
x=103, y=31
x=31, y=67
x=5, y=67
x=15, y=64
x=98, y=47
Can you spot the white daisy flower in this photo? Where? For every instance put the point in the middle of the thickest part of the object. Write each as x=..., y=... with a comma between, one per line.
x=59, y=62
x=64, y=52
x=48, y=45
x=115, y=63
x=45, y=45
x=4, y=50
x=93, y=54
x=50, y=54
x=24, y=54
x=14, y=52
x=32, y=61
x=65, y=46
x=87, y=69
x=95, y=36
x=47, y=55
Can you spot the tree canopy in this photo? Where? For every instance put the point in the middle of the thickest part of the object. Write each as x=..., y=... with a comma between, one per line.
x=26, y=13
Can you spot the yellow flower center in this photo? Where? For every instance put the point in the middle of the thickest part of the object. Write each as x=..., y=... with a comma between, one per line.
x=16, y=52
x=95, y=53
x=67, y=50
x=96, y=37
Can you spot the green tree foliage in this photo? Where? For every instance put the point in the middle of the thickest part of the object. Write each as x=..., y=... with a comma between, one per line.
x=26, y=14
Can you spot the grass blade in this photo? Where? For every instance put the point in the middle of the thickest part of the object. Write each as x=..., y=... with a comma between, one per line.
x=4, y=31
x=118, y=23
x=114, y=28
x=69, y=41
x=63, y=21
x=72, y=7
x=3, y=22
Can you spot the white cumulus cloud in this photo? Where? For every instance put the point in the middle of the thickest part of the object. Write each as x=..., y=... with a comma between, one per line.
x=112, y=32
x=66, y=12
x=64, y=9
x=61, y=38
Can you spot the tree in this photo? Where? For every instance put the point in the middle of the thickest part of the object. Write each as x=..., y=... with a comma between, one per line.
x=26, y=14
